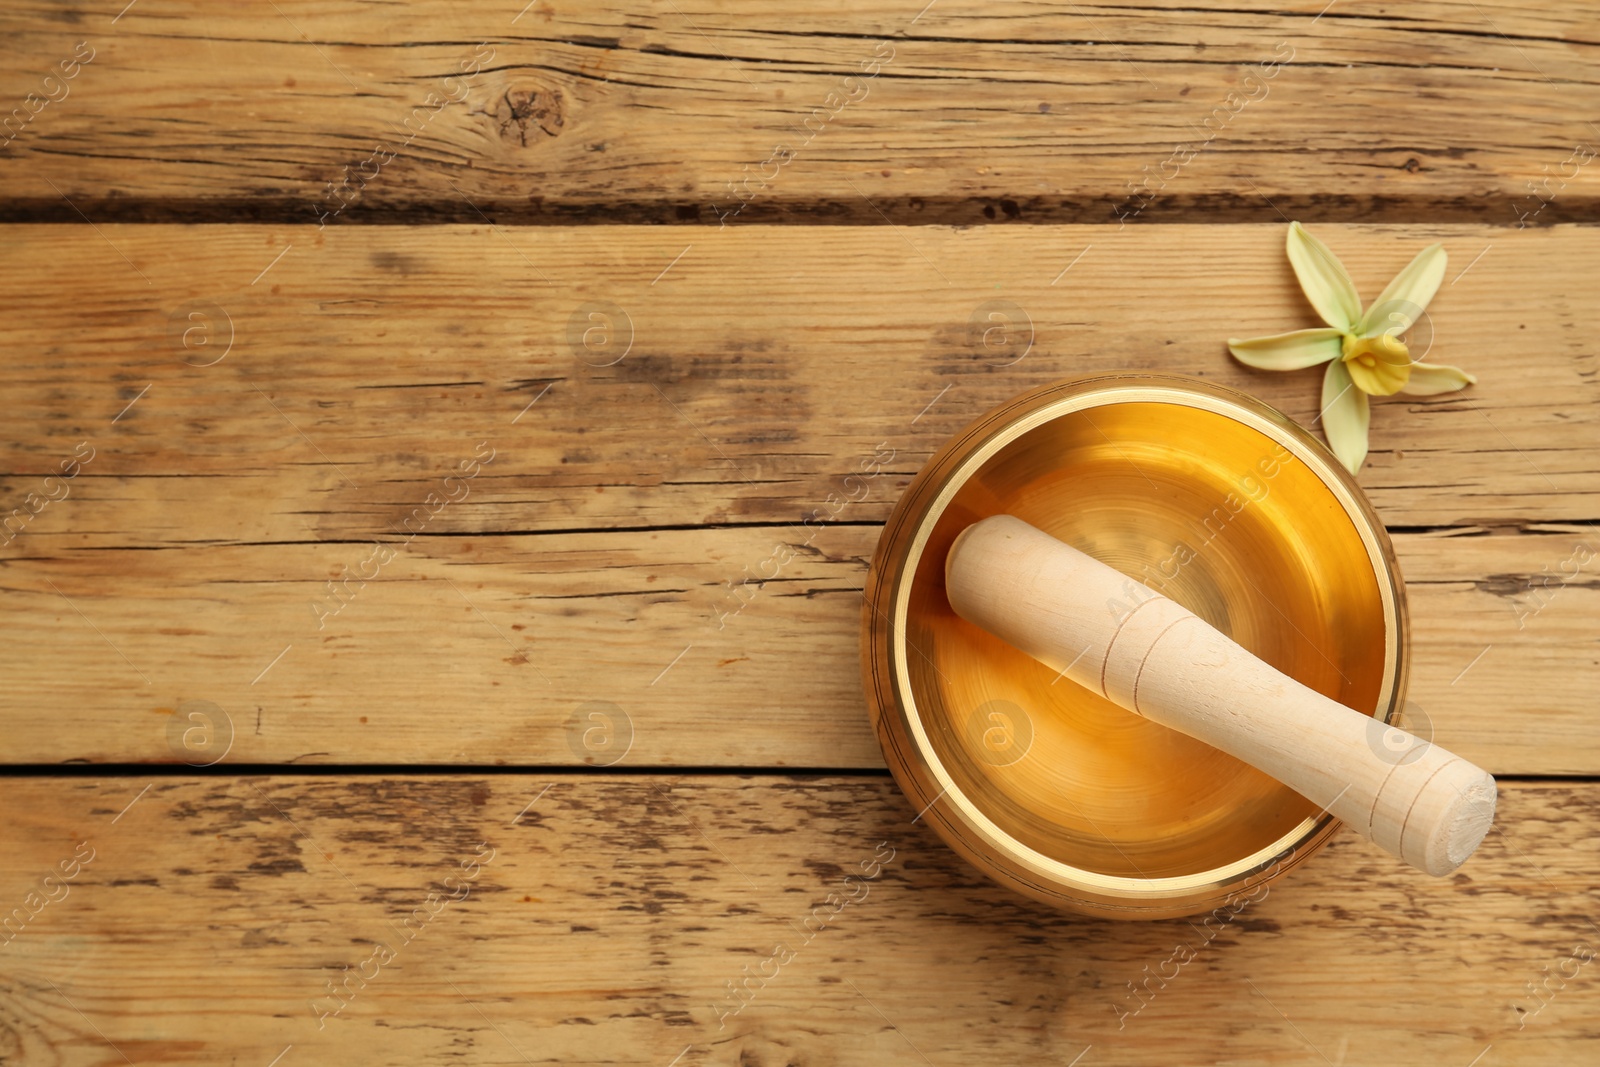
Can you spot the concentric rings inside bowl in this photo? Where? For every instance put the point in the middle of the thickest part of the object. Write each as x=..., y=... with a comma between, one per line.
x=1215, y=502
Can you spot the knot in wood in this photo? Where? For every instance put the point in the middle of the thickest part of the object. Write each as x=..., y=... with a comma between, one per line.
x=526, y=113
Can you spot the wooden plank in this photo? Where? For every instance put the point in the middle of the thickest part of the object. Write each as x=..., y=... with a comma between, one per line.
x=629, y=112
x=601, y=920
x=189, y=558
x=1489, y=653
x=504, y=649
x=749, y=371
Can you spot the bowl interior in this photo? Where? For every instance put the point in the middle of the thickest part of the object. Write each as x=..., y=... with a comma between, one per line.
x=1207, y=510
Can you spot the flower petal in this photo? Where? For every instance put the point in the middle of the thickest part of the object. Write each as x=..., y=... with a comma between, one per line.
x=1404, y=299
x=1323, y=279
x=1344, y=416
x=1429, y=379
x=1288, y=351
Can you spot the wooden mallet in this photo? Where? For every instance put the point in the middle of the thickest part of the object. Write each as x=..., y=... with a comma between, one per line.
x=1146, y=653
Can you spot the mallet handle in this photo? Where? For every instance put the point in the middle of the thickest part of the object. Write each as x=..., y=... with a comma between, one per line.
x=1155, y=658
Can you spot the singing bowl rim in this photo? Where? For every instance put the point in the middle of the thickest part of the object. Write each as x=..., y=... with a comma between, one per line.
x=907, y=748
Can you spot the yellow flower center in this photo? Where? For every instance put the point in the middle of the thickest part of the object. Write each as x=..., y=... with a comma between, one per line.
x=1369, y=350
x=1378, y=365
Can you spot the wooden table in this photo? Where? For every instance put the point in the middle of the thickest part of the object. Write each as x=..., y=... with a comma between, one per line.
x=397, y=677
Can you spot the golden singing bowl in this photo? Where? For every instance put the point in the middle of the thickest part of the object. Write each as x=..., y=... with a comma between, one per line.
x=1207, y=496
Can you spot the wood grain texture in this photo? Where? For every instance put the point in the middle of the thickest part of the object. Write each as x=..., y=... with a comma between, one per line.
x=750, y=373
x=641, y=112
x=502, y=649
x=597, y=920
x=250, y=412
x=768, y=368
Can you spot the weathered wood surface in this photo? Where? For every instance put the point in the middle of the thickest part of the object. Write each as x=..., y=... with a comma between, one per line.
x=501, y=649
x=597, y=920
x=750, y=371
x=214, y=503
x=251, y=410
x=652, y=112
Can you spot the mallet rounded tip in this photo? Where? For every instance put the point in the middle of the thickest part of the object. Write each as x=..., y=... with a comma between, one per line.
x=1463, y=826
x=955, y=550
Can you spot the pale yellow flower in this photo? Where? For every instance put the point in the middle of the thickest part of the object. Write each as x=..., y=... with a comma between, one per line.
x=1363, y=350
